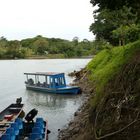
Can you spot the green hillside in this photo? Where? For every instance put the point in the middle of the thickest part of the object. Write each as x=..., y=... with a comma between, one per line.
x=107, y=64
x=114, y=75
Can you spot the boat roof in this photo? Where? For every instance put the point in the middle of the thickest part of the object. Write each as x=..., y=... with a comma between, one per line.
x=44, y=73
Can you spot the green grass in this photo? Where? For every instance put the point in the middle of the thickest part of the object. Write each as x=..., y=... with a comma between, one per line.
x=107, y=64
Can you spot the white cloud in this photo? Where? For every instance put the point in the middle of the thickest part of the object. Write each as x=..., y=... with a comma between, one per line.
x=51, y=18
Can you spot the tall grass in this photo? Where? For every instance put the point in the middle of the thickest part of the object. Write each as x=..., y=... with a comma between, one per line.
x=107, y=64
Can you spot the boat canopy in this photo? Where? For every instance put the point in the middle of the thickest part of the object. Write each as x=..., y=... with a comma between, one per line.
x=44, y=73
x=52, y=79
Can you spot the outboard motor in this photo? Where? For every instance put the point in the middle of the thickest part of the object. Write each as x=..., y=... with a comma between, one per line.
x=29, y=117
x=19, y=100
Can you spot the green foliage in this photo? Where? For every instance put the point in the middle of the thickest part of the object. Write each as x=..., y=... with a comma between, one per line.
x=40, y=45
x=107, y=64
x=45, y=47
x=133, y=33
x=3, y=42
x=103, y=25
x=116, y=16
x=117, y=21
x=116, y=4
x=55, y=56
x=75, y=41
x=2, y=52
x=121, y=34
x=11, y=49
x=127, y=33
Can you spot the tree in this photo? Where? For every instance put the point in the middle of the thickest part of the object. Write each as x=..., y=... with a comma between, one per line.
x=85, y=40
x=126, y=34
x=3, y=41
x=116, y=5
x=125, y=21
x=13, y=48
x=75, y=40
x=121, y=34
x=40, y=46
x=108, y=21
x=133, y=33
x=103, y=26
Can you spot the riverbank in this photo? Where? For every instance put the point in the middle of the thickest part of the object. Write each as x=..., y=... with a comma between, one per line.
x=111, y=85
x=45, y=57
x=77, y=126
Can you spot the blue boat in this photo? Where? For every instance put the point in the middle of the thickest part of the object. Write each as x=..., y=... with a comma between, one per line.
x=50, y=82
x=13, y=125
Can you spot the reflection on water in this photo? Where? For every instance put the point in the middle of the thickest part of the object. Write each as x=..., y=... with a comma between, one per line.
x=50, y=100
x=58, y=109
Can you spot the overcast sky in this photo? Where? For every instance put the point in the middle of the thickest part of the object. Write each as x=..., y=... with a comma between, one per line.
x=20, y=19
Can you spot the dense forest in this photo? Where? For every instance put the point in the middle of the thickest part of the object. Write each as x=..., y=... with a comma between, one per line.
x=40, y=46
x=116, y=21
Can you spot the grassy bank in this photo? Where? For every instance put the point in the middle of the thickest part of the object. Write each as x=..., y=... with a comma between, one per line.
x=107, y=64
x=112, y=83
x=115, y=74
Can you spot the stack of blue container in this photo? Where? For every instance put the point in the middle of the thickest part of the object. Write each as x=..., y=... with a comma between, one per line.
x=13, y=131
x=38, y=130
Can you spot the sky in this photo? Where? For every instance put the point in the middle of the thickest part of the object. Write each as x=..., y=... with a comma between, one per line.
x=20, y=19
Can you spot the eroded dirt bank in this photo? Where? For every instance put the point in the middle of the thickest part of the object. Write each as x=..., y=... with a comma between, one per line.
x=80, y=122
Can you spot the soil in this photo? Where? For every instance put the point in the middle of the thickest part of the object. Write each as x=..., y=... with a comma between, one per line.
x=81, y=117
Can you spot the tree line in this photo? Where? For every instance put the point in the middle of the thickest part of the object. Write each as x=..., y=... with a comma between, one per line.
x=48, y=47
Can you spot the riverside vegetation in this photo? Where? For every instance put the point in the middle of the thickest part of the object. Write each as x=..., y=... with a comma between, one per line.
x=111, y=81
x=42, y=47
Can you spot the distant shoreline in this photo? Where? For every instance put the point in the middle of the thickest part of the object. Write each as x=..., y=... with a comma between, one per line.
x=84, y=57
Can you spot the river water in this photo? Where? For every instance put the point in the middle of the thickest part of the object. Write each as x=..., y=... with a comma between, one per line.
x=57, y=109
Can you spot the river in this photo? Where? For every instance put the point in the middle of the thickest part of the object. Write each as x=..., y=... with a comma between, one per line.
x=57, y=109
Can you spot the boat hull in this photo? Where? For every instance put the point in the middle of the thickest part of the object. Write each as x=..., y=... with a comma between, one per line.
x=15, y=109
x=66, y=90
x=13, y=126
x=9, y=115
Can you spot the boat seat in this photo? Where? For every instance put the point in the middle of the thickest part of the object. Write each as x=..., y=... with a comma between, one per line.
x=39, y=120
x=11, y=132
x=35, y=136
x=16, y=127
x=5, y=137
x=20, y=123
x=2, y=129
x=14, y=109
x=9, y=117
x=37, y=130
x=40, y=125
